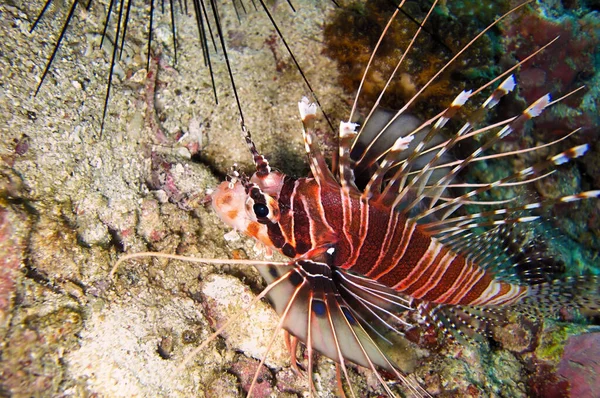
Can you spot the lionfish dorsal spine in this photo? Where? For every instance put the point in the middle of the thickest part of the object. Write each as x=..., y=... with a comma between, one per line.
x=374, y=186
x=539, y=167
x=457, y=224
x=504, y=88
x=371, y=58
x=388, y=82
x=510, y=125
x=399, y=180
x=398, y=185
x=260, y=162
x=441, y=70
x=318, y=166
x=347, y=134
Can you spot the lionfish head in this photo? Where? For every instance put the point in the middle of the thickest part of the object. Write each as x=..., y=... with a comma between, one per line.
x=249, y=204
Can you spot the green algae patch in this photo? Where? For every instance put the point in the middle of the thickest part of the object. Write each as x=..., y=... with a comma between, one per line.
x=553, y=340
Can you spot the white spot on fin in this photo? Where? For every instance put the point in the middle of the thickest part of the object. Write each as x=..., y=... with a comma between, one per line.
x=538, y=106
x=462, y=98
x=306, y=108
x=580, y=150
x=572, y=153
x=402, y=143
x=347, y=128
x=508, y=85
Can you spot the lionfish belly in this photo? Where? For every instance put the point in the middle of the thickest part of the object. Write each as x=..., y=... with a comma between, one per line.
x=379, y=240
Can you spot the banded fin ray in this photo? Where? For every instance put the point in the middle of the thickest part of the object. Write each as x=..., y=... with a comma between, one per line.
x=503, y=89
x=403, y=110
x=464, y=323
x=503, y=251
x=313, y=310
x=362, y=148
x=318, y=166
x=551, y=161
x=499, y=216
x=435, y=190
x=369, y=148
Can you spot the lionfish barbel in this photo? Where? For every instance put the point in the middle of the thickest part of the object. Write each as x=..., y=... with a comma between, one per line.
x=377, y=239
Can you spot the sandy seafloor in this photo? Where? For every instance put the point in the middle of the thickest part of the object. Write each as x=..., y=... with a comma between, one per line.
x=73, y=200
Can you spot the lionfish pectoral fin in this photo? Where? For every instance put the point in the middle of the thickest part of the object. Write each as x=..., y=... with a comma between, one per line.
x=364, y=147
x=316, y=304
x=291, y=343
x=344, y=329
x=431, y=157
x=315, y=312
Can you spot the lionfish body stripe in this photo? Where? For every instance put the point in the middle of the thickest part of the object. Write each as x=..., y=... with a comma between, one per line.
x=364, y=254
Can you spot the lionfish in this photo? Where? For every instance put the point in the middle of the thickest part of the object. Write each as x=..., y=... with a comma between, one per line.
x=378, y=238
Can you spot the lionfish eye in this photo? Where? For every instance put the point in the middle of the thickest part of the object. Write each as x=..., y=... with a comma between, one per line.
x=261, y=210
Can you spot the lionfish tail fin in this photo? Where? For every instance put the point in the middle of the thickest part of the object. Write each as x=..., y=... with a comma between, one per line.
x=464, y=323
x=568, y=298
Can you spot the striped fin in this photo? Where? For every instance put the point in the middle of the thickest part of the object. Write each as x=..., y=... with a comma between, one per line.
x=314, y=297
x=464, y=133
x=517, y=123
x=314, y=311
x=504, y=88
x=500, y=216
x=347, y=134
x=580, y=294
x=540, y=167
x=575, y=296
x=403, y=127
x=440, y=120
x=373, y=187
x=396, y=190
x=436, y=76
x=509, y=253
x=428, y=150
x=378, y=306
x=365, y=153
x=464, y=323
